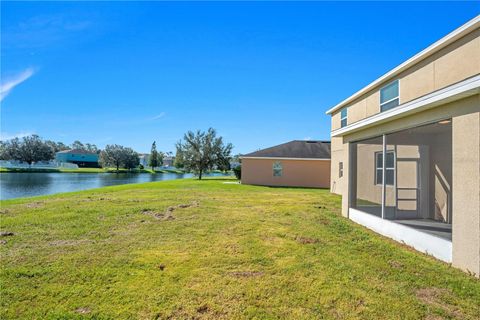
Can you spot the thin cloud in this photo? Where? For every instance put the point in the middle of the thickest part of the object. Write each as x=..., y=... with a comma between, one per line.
x=45, y=30
x=8, y=136
x=158, y=116
x=7, y=86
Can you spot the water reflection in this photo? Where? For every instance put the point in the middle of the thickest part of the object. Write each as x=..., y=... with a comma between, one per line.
x=15, y=185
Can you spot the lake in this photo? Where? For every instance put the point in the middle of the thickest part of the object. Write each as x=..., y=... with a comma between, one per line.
x=20, y=184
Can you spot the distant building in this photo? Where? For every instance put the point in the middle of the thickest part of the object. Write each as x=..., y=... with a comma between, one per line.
x=144, y=159
x=234, y=164
x=168, y=161
x=82, y=158
x=294, y=164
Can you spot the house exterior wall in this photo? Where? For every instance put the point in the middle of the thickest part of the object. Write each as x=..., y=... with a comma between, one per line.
x=296, y=173
x=337, y=156
x=454, y=186
x=465, y=175
x=466, y=194
x=454, y=63
x=76, y=157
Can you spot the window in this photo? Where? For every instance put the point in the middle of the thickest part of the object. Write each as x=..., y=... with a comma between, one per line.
x=277, y=169
x=343, y=118
x=389, y=96
x=340, y=169
x=389, y=168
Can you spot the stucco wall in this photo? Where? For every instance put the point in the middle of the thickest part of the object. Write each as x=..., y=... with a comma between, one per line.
x=337, y=156
x=454, y=63
x=466, y=191
x=465, y=175
x=296, y=173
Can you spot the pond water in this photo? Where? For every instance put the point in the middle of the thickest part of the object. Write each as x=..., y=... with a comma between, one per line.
x=20, y=184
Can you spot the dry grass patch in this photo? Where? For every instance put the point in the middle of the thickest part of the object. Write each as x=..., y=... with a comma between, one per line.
x=231, y=252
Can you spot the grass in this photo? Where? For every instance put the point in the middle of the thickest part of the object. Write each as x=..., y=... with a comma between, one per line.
x=206, y=249
x=91, y=170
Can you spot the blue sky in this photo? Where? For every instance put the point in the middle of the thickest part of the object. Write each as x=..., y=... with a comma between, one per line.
x=261, y=73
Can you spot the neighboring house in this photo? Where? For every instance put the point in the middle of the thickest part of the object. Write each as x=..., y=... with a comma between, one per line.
x=234, y=164
x=144, y=158
x=168, y=161
x=295, y=163
x=406, y=151
x=82, y=158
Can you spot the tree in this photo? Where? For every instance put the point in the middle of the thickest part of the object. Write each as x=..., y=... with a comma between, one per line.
x=91, y=147
x=130, y=159
x=201, y=151
x=8, y=149
x=238, y=172
x=57, y=146
x=78, y=145
x=85, y=147
x=161, y=156
x=112, y=156
x=29, y=149
x=153, y=161
x=119, y=156
x=178, y=162
x=224, y=157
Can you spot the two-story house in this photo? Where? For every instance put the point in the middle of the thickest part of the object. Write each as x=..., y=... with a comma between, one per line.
x=82, y=158
x=405, y=151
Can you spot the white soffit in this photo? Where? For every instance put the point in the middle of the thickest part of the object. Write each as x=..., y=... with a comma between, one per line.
x=284, y=158
x=445, y=41
x=454, y=92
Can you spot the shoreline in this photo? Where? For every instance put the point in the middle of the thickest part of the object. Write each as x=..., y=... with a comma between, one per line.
x=88, y=170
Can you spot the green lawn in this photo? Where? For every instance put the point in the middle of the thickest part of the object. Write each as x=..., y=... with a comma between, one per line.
x=189, y=249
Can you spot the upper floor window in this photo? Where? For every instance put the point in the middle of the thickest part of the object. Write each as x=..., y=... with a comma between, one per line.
x=389, y=96
x=277, y=169
x=340, y=169
x=343, y=118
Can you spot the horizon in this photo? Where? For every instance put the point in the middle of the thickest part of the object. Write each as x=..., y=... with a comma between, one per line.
x=133, y=73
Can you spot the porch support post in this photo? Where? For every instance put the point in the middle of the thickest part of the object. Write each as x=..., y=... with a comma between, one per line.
x=384, y=179
x=466, y=190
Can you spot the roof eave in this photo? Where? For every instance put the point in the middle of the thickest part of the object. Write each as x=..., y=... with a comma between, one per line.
x=454, y=92
x=440, y=44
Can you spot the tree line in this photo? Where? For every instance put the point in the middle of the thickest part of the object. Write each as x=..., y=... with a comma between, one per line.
x=197, y=152
x=31, y=149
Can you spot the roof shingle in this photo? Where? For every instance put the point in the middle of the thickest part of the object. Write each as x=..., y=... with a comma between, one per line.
x=311, y=149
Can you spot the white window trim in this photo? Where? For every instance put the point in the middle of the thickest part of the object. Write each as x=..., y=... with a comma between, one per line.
x=437, y=46
x=456, y=91
x=277, y=169
x=397, y=97
x=344, y=118
x=386, y=168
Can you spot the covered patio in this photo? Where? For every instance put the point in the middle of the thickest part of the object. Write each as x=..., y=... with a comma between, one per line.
x=402, y=182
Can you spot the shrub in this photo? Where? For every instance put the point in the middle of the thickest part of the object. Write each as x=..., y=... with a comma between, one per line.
x=141, y=167
x=238, y=172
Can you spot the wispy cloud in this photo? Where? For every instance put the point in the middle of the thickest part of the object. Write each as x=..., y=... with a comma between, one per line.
x=158, y=116
x=7, y=86
x=44, y=30
x=8, y=136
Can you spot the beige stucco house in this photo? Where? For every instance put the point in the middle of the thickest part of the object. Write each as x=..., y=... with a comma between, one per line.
x=293, y=164
x=406, y=151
